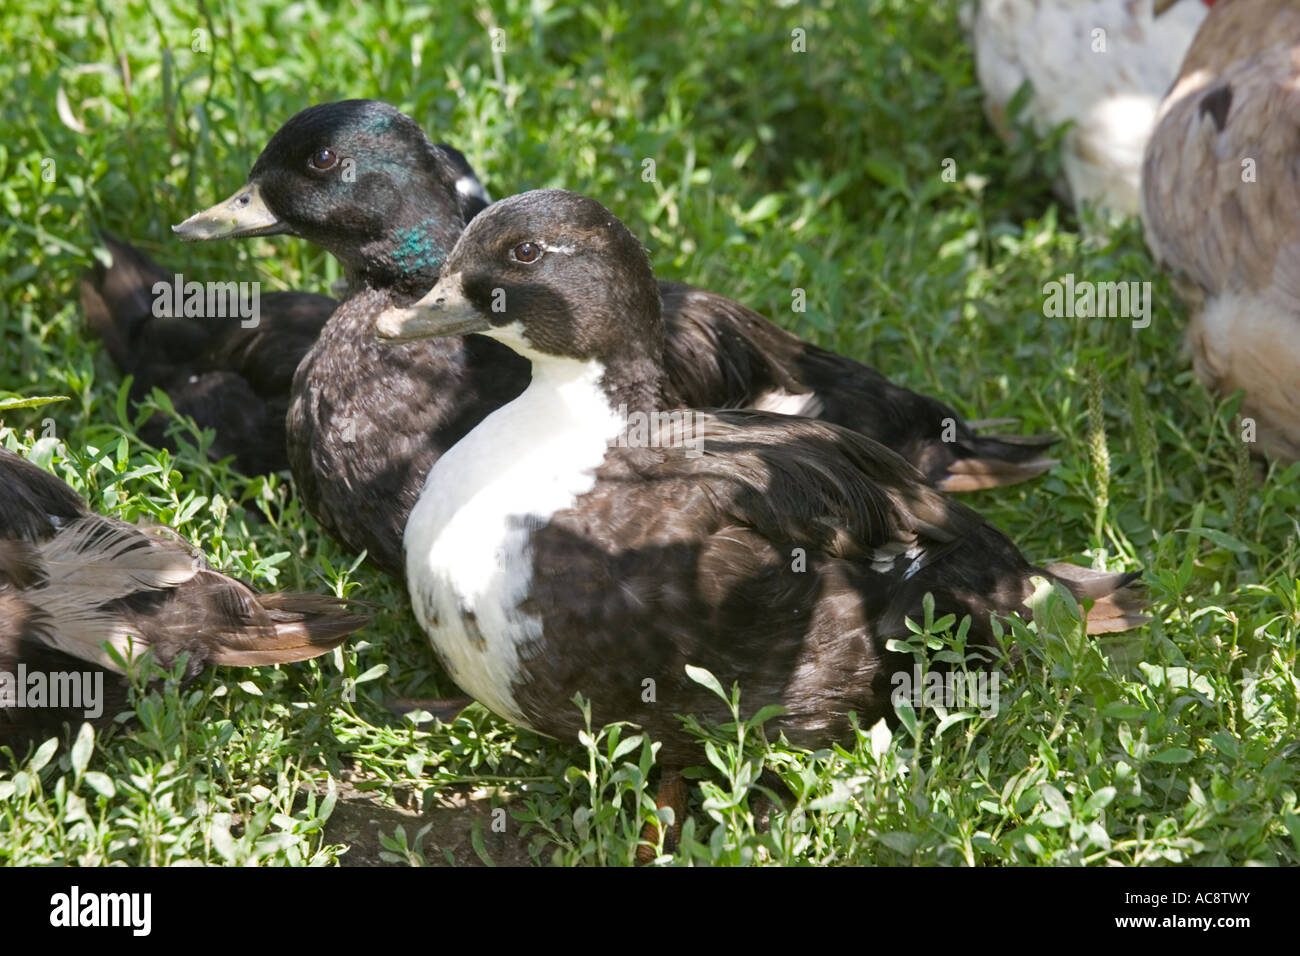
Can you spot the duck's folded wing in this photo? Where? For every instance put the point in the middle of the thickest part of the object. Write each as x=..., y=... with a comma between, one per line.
x=743, y=511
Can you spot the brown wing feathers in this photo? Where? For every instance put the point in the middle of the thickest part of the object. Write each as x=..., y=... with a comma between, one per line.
x=902, y=511
x=71, y=580
x=798, y=484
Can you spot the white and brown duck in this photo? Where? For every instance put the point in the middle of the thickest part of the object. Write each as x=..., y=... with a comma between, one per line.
x=566, y=546
x=1101, y=65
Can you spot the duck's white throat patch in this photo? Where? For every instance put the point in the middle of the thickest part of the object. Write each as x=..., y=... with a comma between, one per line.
x=468, y=551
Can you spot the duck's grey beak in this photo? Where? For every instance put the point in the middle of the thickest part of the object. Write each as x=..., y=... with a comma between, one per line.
x=243, y=214
x=444, y=311
x=1160, y=6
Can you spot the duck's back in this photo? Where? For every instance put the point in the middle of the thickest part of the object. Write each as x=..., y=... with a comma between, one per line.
x=720, y=354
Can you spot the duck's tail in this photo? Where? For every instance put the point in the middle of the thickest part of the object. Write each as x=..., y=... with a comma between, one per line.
x=990, y=461
x=268, y=629
x=101, y=580
x=291, y=627
x=1118, y=598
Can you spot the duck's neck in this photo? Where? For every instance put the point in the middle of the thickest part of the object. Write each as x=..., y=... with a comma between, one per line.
x=572, y=394
x=408, y=256
x=596, y=391
x=393, y=285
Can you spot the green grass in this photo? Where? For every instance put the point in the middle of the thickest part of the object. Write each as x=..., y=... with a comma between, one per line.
x=774, y=171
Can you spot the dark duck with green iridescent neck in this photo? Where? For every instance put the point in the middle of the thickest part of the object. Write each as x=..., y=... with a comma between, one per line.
x=229, y=376
x=362, y=180
x=550, y=554
x=366, y=423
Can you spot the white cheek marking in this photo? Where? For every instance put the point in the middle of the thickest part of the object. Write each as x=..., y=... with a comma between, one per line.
x=468, y=541
x=512, y=336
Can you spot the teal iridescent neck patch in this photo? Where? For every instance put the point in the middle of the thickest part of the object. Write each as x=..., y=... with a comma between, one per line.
x=416, y=249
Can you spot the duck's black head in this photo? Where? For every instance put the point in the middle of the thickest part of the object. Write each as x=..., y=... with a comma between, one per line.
x=360, y=179
x=552, y=275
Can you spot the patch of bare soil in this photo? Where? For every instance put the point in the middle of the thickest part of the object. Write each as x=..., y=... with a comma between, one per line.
x=358, y=819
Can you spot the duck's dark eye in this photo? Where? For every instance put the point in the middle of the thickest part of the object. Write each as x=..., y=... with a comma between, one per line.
x=528, y=252
x=324, y=159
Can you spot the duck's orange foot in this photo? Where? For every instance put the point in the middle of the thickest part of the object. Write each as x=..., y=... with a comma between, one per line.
x=672, y=793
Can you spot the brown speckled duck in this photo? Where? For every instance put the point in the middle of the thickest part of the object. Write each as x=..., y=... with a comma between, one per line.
x=1221, y=208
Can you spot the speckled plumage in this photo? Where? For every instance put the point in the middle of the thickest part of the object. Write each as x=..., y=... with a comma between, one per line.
x=1221, y=208
x=367, y=422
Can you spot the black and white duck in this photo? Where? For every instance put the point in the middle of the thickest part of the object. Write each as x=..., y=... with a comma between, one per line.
x=555, y=550
x=72, y=582
x=366, y=423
